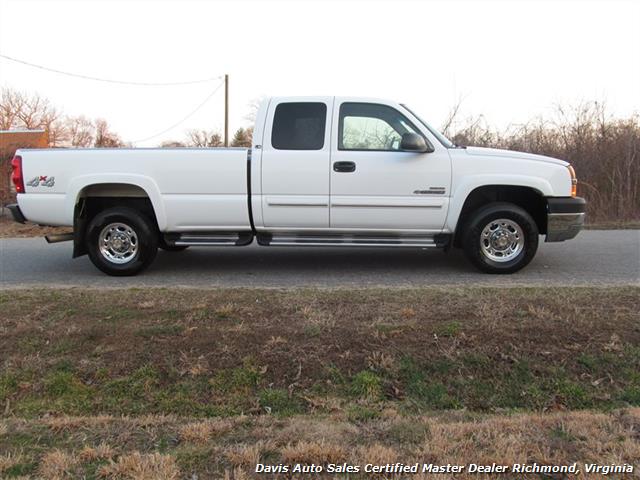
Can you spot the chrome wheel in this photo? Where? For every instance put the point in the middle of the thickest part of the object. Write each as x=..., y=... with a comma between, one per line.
x=118, y=243
x=501, y=240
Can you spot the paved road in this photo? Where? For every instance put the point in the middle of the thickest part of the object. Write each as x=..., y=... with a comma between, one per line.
x=594, y=257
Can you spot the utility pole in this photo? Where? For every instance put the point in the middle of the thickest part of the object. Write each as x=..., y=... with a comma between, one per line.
x=226, y=110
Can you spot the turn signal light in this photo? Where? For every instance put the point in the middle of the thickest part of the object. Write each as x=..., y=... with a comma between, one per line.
x=574, y=181
x=16, y=174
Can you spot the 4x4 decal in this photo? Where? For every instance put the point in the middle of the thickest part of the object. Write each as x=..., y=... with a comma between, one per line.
x=43, y=181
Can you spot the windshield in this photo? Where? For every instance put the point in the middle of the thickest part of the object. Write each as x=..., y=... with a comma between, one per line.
x=441, y=138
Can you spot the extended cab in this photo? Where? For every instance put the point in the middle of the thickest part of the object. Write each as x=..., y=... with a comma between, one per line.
x=322, y=171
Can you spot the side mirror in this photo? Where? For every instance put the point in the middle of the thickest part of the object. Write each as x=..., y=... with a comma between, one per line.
x=412, y=142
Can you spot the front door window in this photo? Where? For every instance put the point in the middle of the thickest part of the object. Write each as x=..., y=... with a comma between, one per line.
x=374, y=127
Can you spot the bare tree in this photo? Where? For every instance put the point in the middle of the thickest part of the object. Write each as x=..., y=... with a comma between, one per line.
x=80, y=131
x=56, y=128
x=33, y=112
x=11, y=103
x=203, y=138
x=447, y=126
x=105, y=137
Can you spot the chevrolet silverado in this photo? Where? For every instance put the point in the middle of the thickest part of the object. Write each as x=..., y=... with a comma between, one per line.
x=321, y=171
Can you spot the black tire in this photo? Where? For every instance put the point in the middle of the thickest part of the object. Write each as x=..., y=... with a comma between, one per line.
x=482, y=251
x=142, y=251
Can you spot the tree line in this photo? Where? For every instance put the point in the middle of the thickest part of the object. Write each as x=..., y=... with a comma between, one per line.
x=19, y=110
x=604, y=150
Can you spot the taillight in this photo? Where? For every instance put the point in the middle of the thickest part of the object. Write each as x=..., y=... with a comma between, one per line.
x=574, y=181
x=16, y=174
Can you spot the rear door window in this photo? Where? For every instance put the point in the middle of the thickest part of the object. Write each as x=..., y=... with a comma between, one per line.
x=299, y=126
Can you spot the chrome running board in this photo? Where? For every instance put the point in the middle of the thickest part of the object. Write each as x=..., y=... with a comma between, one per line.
x=209, y=239
x=286, y=239
x=422, y=241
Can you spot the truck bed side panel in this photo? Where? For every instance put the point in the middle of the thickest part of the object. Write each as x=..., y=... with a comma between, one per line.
x=190, y=189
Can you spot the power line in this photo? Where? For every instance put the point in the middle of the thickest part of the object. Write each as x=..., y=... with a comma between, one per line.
x=189, y=115
x=108, y=80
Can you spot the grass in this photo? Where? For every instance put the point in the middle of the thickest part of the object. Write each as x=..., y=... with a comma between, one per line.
x=160, y=351
x=156, y=446
x=163, y=383
x=613, y=225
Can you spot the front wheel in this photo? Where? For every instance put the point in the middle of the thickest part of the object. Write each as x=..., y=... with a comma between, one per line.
x=121, y=241
x=500, y=238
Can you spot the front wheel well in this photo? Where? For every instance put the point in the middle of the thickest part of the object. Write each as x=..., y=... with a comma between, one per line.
x=526, y=198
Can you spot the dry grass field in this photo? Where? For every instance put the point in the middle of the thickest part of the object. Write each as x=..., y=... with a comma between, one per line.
x=161, y=383
x=11, y=229
x=170, y=447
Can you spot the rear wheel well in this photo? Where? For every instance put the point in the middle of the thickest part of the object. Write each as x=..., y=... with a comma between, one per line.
x=525, y=197
x=93, y=199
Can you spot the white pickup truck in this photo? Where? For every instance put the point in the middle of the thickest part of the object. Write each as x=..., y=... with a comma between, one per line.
x=322, y=171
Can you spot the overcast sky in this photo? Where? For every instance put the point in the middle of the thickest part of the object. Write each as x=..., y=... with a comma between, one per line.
x=509, y=60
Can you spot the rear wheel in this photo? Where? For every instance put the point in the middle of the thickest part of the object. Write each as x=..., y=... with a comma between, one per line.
x=121, y=241
x=500, y=238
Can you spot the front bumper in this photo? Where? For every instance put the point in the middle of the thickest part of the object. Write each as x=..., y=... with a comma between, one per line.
x=565, y=218
x=16, y=213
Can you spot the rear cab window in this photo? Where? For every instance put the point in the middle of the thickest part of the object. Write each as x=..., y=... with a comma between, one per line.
x=299, y=126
